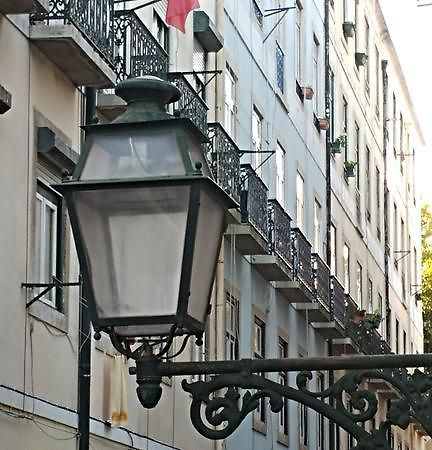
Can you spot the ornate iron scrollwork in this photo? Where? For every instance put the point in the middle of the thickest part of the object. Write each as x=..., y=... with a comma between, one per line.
x=225, y=411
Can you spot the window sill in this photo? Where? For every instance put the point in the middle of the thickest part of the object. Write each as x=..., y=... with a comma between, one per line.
x=283, y=439
x=49, y=315
x=259, y=426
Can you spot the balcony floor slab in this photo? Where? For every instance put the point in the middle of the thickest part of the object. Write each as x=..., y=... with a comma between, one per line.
x=68, y=49
x=247, y=239
x=109, y=105
x=23, y=6
x=313, y=311
x=271, y=267
x=329, y=330
x=294, y=291
x=344, y=346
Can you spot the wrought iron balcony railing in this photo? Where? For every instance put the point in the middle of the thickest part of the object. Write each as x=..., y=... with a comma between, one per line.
x=337, y=301
x=321, y=281
x=190, y=105
x=365, y=336
x=253, y=200
x=137, y=50
x=302, y=264
x=279, y=232
x=93, y=18
x=224, y=158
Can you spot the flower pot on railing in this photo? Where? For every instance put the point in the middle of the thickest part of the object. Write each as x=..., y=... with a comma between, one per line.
x=349, y=167
x=372, y=320
x=308, y=92
x=323, y=123
x=360, y=59
x=338, y=143
x=348, y=29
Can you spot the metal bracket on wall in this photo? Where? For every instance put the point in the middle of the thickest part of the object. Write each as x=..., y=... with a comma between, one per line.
x=56, y=283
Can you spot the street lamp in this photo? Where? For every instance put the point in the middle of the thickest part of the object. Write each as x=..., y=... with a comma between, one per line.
x=148, y=222
x=147, y=219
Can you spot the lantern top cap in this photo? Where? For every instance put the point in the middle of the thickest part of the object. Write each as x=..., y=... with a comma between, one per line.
x=147, y=98
x=147, y=88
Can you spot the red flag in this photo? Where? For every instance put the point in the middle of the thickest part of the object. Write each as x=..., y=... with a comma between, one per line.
x=178, y=10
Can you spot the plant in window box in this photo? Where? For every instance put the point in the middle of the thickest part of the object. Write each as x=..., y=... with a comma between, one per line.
x=308, y=92
x=372, y=320
x=338, y=143
x=350, y=168
x=348, y=29
x=360, y=59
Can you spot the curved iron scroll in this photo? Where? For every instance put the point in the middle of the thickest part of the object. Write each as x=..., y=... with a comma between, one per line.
x=226, y=411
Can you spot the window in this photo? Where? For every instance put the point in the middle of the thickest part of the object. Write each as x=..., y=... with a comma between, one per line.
x=395, y=234
x=402, y=249
x=320, y=420
x=280, y=68
x=283, y=380
x=299, y=200
x=357, y=155
x=259, y=353
x=298, y=42
x=368, y=185
x=394, y=118
x=257, y=128
x=280, y=174
x=345, y=124
x=404, y=342
x=317, y=226
x=48, y=240
x=357, y=24
x=231, y=327
x=346, y=267
x=258, y=12
x=380, y=308
x=367, y=68
x=345, y=16
x=397, y=335
x=331, y=104
x=377, y=82
x=378, y=202
x=315, y=75
x=401, y=140
x=229, y=101
x=370, y=296
x=359, y=285
x=160, y=31
x=333, y=250
x=199, y=65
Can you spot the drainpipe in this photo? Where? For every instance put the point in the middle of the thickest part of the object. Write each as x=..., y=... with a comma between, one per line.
x=386, y=199
x=84, y=355
x=328, y=182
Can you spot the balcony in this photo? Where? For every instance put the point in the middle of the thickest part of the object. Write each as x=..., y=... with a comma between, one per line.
x=346, y=344
x=277, y=265
x=322, y=320
x=23, y=6
x=78, y=38
x=299, y=290
x=251, y=235
x=190, y=105
x=224, y=159
x=337, y=295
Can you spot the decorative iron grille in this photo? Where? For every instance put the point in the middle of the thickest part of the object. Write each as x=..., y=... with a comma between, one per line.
x=302, y=264
x=337, y=301
x=224, y=157
x=138, y=52
x=190, y=105
x=279, y=232
x=94, y=19
x=280, y=68
x=253, y=200
x=321, y=281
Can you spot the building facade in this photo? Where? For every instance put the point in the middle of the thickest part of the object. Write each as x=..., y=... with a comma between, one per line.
x=311, y=130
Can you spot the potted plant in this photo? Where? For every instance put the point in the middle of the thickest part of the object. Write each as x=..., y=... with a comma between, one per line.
x=308, y=92
x=372, y=320
x=323, y=123
x=348, y=29
x=360, y=59
x=349, y=168
x=338, y=143
x=358, y=316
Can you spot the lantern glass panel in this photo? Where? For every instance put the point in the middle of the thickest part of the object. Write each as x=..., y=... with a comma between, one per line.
x=139, y=155
x=211, y=224
x=133, y=240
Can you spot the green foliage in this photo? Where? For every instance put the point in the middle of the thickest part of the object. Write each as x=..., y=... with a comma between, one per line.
x=426, y=222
